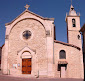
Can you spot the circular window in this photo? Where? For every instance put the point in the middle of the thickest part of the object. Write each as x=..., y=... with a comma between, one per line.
x=26, y=34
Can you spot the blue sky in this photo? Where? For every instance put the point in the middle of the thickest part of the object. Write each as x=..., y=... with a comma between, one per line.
x=10, y=9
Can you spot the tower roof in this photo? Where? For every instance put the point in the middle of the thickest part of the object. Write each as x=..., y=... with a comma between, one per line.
x=72, y=12
x=71, y=8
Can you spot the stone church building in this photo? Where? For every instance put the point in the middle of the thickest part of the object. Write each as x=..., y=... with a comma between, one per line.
x=31, y=49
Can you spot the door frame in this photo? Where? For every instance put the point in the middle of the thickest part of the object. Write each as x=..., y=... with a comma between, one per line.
x=34, y=62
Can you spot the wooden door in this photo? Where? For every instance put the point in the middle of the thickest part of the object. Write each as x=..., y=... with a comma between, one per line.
x=26, y=66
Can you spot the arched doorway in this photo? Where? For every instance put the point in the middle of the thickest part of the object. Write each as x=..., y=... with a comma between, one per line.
x=28, y=55
x=26, y=63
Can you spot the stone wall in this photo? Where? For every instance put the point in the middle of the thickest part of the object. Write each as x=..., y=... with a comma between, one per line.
x=74, y=59
x=73, y=32
x=37, y=42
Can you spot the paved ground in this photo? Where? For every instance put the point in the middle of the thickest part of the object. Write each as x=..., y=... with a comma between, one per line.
x=8, y=78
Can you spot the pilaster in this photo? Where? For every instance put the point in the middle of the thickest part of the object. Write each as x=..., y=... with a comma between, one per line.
x=5, y=61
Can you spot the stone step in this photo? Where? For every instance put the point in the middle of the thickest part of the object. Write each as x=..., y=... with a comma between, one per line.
x=11, y=78
x=8, y=78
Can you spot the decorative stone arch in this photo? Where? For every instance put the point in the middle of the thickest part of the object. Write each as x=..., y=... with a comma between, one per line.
x=28, y=53
x=26, y=49
x=27, y=18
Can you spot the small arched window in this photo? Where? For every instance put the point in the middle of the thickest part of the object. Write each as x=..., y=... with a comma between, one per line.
x=78, y=36
x=74, y=22
x=62, y=54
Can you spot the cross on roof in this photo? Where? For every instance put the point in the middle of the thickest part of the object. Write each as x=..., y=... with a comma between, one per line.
x=27, y=6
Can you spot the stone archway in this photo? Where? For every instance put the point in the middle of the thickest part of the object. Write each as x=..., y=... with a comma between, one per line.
x=27, y=54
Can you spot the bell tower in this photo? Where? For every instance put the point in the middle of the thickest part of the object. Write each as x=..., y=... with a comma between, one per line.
x=73, y=27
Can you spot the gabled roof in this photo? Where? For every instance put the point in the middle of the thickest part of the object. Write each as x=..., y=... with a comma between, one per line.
x=83, y=28
x=67, y=44
x=52, y=19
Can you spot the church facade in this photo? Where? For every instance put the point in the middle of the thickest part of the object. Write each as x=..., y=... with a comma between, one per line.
x=31, y=49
